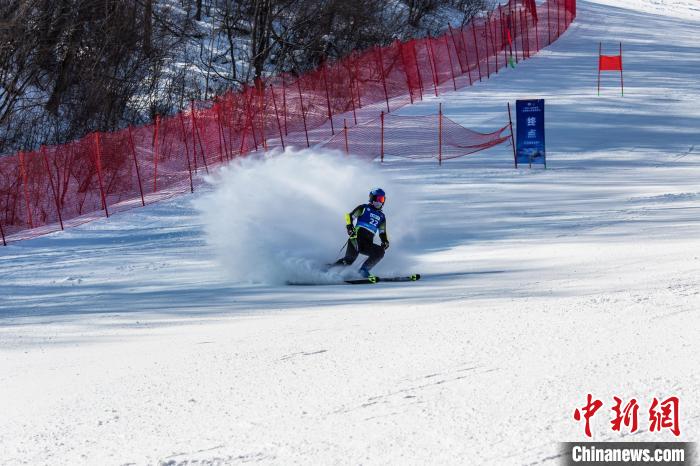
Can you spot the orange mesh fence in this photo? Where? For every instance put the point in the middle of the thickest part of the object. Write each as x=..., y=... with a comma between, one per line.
x=55, y=187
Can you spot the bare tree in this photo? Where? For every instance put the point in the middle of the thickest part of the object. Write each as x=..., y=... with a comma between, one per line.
x=198, y=14
x=68, y=67
x=147, y=26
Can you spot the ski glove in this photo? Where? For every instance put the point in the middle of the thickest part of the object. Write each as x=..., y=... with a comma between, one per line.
x=385, y=244
x=351, y=229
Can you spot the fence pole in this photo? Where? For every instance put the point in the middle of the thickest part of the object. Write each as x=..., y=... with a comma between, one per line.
x=527, y=29
x=492, y=25
x=476, y=49
x=537, y=30
x=25, y=189
x=527, y=32
x=136, y=164
x=449, y=55
x=622, y=80
x=198, y=137
x=558, y=18
x=440, y=134
x=284, y=105
x=328, y=97
x=187, y=152
x=225, y=124
x=201, y=147
x=257, y=117
x=549, y=25
x=256, y=113
x=260, y=87
x=381, y=150
x=220, y=132
x=53, y=188
x=518, y=18
x=352, y=99
x=466, y=54
x=230, y=124
x=303, y=115
x=98, y=162
x=488, y=61
x=492, y=31
x=220, y=115
x=600, y=51
x=274, y=102
x=402, y=49
x=345, y=130
x=431, y=59
x=251, y=119
x=415, y=60
x=512, y=138
x=245, y=128
x=357, y=83
x=155, y=152
x=504, y=37
x=522, y=35
x=381, y=69
x=454, y=44
x=518, y=25
x=513, y=26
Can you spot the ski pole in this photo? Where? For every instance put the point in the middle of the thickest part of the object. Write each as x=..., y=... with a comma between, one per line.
x=346, y=243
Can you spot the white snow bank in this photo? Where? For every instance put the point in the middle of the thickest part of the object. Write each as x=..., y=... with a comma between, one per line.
x=279, y=217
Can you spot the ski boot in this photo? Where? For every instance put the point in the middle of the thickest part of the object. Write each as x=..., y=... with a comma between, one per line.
x=368, y=275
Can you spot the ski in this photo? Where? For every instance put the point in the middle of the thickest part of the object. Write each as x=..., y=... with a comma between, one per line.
x=373, y=280
x=361, y=281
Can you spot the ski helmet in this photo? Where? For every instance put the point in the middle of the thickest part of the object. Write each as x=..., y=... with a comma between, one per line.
x=377, y=198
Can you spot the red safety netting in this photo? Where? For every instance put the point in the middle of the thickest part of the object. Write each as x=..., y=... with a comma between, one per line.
x=431, y=137
x=102, y=173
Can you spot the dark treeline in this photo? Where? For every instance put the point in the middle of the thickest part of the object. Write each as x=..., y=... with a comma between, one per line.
x=68, y=67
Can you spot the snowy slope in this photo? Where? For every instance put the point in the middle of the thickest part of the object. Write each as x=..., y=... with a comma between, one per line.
x=135, y=340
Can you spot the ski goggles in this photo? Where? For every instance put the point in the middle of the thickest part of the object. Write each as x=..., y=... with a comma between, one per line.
x=379, y=199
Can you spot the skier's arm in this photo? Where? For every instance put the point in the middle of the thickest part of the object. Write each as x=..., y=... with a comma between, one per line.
x=354, y=214
x=349, y=219
x=383, y=235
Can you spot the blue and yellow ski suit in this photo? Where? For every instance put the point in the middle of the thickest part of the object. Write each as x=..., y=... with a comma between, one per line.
x=370, y=221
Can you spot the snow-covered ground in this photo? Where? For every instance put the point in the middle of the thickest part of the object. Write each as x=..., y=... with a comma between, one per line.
x=135, y=340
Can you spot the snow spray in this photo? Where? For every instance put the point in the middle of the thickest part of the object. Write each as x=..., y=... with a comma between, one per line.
x=280, y=217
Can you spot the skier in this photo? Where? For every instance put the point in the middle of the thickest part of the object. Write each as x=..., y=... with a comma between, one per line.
x=370, y=220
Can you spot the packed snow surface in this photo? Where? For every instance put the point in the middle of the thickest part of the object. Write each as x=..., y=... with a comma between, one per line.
x=165, y=335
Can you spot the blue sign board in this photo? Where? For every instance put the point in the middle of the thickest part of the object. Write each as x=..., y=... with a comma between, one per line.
x=529, y=145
